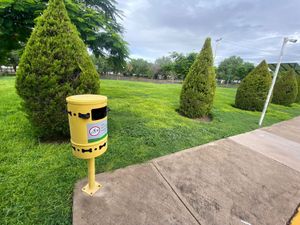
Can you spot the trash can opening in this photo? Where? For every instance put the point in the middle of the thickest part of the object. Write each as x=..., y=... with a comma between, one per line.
x=100, y=113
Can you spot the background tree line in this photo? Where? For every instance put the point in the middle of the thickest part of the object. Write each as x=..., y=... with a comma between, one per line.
x=173, y=66
x=176, y=66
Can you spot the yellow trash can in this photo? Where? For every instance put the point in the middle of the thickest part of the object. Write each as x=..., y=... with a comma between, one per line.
x=88, y=128
x=88, y=125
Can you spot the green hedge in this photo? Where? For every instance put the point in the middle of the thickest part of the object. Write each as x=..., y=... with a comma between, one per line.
x=253, y=90
x=198, y=90
x=55, y=64
x=286, y=89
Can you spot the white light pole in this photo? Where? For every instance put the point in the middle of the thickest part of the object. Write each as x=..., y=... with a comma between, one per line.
x=217, y=44
x=285, y=41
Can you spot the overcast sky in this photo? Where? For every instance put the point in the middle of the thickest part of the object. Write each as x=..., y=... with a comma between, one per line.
x=252, y=29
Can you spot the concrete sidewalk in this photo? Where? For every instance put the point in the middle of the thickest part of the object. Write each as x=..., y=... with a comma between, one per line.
x=252, y=178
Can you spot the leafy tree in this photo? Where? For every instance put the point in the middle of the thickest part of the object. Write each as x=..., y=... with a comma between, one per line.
x=14, y=24
x=104, y=65
x=95, y=20
x=298, y=95
x=233, y=68
x=140, y=68
x=198, y=90
x=243, y=70
x=164, y=61
x=164, y=68
x=286, y=89
x=54, y=65
x=176, y=65
x=13, y=59
x=228, y=68
x=182, y=63
x=254, y=88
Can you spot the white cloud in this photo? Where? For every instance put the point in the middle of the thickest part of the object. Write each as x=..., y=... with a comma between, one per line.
x=252, y=29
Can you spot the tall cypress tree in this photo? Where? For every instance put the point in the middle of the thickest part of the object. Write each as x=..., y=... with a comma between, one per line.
x=286, y=89
x=253, y=90
x=198, y=90
x=54, y=65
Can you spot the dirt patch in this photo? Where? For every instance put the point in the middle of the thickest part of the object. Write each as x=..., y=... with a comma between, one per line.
x=205, y=119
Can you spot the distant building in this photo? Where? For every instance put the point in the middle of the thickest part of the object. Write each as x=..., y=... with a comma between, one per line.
x=6, y=70
x=285, y=67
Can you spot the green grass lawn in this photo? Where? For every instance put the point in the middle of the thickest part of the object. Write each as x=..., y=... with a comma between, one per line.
x=37, y=179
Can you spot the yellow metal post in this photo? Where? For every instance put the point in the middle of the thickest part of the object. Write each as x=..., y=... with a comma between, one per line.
x=91, y=168
x=92, y=185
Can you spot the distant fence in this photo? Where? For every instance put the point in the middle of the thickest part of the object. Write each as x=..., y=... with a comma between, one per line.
x=228, y=85
x=142, y=79
x=157, y=81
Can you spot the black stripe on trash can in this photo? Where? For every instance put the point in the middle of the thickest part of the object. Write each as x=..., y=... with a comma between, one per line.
x=86, y=150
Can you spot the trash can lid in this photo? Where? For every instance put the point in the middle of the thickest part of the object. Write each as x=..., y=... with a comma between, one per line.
x=86, y=99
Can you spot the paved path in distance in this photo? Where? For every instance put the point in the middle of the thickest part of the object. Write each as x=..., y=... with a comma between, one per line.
x=252, y=178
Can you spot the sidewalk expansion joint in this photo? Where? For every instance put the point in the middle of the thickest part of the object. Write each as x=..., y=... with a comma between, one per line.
x=175, y=192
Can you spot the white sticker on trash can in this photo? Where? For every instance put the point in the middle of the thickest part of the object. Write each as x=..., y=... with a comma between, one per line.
x=96, y=131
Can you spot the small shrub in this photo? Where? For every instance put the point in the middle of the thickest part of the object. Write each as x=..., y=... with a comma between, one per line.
x=198, y=90
x=298, y=95
x=286, y=89
x=55, y=64
x=253, y=90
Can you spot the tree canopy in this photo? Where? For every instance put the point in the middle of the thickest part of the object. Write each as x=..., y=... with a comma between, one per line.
x=96, y=20
x=182, y=63
x=176, y=65
x=140, y=68
x=164, y=68
x=233, y=68
x=173, y=66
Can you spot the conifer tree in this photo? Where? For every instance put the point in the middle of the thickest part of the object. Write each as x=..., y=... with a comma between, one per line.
x=198, y=90
x=54, y=65
x=286, y=89
x=253, y=90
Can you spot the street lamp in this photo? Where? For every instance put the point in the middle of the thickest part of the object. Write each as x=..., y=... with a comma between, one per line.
x=285, y=41
x=217, y=44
